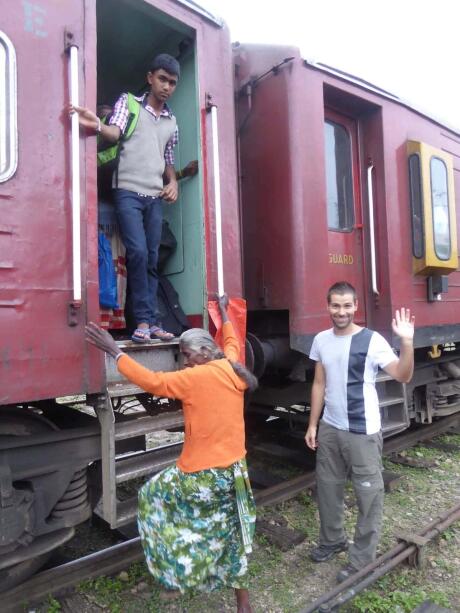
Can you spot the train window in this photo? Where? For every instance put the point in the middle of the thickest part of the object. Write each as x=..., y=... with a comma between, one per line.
x=440, y=208
x=8, y=109
x=416, y=203
x=432, y=194
x=339, y=177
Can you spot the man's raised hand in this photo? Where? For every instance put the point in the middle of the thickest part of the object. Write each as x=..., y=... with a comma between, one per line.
x=403, y=324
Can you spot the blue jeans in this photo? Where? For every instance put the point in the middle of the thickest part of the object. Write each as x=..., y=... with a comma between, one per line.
x=139, y=219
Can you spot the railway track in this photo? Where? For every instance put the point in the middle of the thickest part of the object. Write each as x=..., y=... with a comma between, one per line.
x=56, y=581
x=409, y=546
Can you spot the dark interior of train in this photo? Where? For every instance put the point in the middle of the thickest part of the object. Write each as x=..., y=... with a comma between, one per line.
x=130, y=33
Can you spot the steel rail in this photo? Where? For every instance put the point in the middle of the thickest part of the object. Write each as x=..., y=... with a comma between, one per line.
x=368, y=575
x=453, y=516
x=285, y=490
x=423, y=433
x=109, y=561
x=57, y=580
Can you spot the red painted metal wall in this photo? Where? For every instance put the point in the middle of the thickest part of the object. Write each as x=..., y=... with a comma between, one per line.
x=42, y=356
x=286, y=244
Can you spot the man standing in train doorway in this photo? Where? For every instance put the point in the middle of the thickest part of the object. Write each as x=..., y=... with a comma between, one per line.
x=145, y=157
x=349, y=442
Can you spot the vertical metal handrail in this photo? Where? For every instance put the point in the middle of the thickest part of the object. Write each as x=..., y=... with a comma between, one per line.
x=370, y=199
x=217, y=200
x=8, y=109
x=75, y=162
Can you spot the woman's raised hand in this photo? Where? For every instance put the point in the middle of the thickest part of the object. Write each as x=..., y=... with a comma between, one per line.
x=101, y=339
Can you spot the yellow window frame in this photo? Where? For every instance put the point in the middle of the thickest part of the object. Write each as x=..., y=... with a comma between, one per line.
x=429, y=262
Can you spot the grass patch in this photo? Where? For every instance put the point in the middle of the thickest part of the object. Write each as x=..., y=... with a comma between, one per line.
x=453, y=439
x=285, y=582
x=52, y=605
x=107, y=591
x=396, y=592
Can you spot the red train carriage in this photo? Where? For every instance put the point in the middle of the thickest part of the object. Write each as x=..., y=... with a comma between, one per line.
x=50, y=51
x=343, y=181
x=338, y=180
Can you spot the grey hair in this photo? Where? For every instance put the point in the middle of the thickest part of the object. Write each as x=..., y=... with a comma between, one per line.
x=197, y=339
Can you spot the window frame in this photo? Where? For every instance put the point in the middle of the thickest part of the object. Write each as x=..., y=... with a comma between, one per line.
x=412, y=208
x=430, y=263
x=336, y=122
x=446, y=175
x=8, y=109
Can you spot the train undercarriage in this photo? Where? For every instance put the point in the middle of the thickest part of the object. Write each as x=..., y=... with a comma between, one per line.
x=63, y=462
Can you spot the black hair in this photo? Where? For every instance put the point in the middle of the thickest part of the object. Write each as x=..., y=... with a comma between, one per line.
x=166, y=62
x=341, y=288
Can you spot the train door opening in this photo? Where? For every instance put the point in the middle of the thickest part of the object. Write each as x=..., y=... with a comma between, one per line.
x=344, y=213
x=130, y=33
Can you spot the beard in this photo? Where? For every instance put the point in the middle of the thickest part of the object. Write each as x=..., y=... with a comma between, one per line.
x=343, y=322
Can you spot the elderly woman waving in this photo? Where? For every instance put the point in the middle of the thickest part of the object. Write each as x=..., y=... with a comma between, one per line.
x=196, y=519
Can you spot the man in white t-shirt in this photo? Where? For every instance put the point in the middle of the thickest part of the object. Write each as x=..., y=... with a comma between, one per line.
x=349, y=441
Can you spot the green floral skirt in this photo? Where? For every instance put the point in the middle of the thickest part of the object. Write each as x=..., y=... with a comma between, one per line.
x=196, y=528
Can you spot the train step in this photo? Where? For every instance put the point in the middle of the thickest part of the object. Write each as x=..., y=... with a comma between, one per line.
x=392, y=403
x=390, y=428
x=118, y=469
x=144, y=425
x=157, y=355
x=148, y=463
x=145, y=463
x=390, y=400
x=126, y=468
x=127, y=512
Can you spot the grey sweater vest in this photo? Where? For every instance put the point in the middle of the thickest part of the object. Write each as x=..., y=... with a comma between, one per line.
x=142, y=161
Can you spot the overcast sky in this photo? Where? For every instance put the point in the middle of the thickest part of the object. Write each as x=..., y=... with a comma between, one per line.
x=410, y=48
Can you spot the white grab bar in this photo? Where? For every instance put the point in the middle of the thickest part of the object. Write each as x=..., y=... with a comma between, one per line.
x=217, y=200
x=370, y=199
x=75, y=161
x=8, y=109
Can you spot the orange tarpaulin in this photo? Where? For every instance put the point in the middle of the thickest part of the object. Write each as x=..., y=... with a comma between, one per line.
x=236, y=311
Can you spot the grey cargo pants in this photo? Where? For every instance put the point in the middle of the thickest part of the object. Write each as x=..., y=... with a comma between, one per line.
x=342, y=455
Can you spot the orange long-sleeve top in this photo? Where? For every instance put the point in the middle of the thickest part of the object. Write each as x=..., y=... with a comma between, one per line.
x=212, y=396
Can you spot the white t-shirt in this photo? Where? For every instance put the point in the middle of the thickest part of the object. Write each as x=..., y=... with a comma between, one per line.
x=351, y=363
